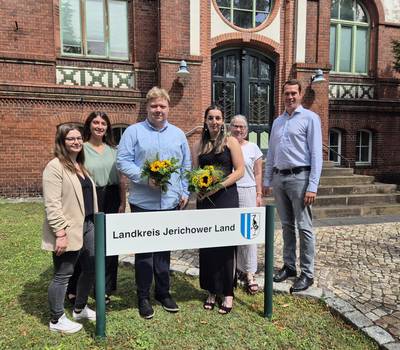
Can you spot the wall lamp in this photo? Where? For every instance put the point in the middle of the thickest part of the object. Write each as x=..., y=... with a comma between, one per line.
x=318, y=77
x=183, y=71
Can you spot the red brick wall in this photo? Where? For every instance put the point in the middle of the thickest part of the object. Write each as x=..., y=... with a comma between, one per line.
x=383, y=119
x=27, y=137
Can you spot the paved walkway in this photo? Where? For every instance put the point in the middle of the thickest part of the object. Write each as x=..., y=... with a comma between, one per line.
x=359, y=263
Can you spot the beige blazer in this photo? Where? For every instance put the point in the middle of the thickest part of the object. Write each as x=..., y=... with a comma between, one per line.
x=64, y=206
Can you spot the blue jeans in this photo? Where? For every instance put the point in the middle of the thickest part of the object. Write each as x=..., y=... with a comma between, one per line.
x=289, y=191
x=63, y=269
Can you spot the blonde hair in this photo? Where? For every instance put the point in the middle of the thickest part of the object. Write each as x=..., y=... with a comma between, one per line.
x=156, y=92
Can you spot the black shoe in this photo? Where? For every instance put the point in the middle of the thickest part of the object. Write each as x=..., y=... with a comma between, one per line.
x=168, y=304
x=302, y=283
x=284, y=273
x=145, y=309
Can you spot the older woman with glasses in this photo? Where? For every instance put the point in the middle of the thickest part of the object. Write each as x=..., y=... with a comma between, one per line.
x=68, y=231
x=250, y=195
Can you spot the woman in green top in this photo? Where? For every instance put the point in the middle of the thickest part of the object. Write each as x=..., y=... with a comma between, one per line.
x=100, y=157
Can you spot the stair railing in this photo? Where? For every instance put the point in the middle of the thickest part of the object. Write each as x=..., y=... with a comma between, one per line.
x=192, y=131
x=338, y=154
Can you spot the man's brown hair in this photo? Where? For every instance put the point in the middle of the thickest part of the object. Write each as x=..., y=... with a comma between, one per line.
x=292, y=82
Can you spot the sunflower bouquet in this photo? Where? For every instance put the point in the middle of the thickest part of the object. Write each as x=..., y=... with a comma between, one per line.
x=203, y=180
x=160, y=171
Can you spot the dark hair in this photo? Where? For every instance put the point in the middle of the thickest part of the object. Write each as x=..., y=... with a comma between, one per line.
x=292, y=82
x=206, y=145
x=108, y=138
x=60, y=151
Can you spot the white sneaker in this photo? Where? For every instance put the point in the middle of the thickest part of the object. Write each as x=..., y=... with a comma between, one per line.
x=86, y=313
x=65, y=325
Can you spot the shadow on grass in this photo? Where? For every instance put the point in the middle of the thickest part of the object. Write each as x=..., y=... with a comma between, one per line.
x=182, y=289
x=33, y=298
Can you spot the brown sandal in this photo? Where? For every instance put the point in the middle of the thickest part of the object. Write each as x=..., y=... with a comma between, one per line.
x=251, y=286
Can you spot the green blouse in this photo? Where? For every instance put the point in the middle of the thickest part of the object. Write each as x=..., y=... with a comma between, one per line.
x=101, y=166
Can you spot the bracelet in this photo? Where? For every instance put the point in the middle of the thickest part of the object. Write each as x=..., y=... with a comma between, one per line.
x=61, y=236
x=259, y=193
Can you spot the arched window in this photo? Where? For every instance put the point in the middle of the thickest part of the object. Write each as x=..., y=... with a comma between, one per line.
x=335, y=145
x=245, y=13
x=364, y=147
x=349, y=37
x=117, y=131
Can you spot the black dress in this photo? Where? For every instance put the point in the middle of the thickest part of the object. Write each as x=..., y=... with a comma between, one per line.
x=218, y=265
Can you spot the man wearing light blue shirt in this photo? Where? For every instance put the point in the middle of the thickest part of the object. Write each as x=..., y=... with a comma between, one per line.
x=145, y=141
x=292, y=172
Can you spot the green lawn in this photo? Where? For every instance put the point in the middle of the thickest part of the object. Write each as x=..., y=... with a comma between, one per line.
x=25, y=272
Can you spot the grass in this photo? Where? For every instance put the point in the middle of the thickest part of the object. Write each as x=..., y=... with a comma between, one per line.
x=25, y=272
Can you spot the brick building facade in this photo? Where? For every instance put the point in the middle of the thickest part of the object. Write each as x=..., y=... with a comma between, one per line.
x=62, y=59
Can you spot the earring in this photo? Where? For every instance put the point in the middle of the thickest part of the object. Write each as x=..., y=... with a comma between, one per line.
x=222, y=128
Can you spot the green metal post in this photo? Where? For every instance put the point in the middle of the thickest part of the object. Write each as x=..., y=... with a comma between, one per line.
x=269, y=259
x=100, y=251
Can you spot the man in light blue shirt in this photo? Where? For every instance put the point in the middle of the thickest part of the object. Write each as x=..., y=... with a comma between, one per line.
x=140, y=142
x=292, y=172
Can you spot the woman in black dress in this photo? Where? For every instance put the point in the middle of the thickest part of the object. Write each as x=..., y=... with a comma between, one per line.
x=217, y=265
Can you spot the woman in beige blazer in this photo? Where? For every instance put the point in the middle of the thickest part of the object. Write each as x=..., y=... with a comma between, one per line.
x=68, y=231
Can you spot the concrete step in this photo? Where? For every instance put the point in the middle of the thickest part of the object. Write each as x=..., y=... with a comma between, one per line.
x=337, y=171
x=346, y=180
x=356, y=210
x=357, y=199
x=356, y=189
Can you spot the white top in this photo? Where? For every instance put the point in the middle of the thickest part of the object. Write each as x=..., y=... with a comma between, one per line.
x=251, y=152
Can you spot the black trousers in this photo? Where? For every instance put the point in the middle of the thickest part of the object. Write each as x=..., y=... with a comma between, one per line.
x=108, y=201
x=149, y=264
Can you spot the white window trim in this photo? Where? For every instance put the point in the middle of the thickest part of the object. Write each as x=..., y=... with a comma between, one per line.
x=354, y=25
x=84, y=53
x=358, y=148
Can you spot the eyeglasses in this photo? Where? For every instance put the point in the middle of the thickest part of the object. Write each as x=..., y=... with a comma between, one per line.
x=73, y=139
x=239, y=126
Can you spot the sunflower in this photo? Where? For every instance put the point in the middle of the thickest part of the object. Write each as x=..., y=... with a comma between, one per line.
x=155, y=166
x=205, y=180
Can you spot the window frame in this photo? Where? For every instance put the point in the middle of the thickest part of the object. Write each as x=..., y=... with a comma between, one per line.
x=354, y=25
x=359, y=147
x=119, y=127
x=253, y=12
x=339, y=145
x=83, y=32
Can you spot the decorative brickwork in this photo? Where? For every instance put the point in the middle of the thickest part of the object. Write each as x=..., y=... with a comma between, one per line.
x=351, y=91
x=94, y=77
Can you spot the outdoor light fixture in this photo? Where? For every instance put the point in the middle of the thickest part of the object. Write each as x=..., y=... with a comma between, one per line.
x=183, y=71
x=318, y=77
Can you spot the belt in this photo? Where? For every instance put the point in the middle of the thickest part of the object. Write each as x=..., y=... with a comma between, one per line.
x=295, y=170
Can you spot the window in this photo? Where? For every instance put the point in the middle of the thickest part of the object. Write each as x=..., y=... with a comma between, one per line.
x=335, y=145
x=95, y=28
x=349, y=37
x=117, y=132
x=364, y=147
x=245, y=13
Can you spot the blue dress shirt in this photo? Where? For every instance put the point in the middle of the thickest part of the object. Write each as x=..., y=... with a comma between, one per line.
x=141, y=142
x=295, y=140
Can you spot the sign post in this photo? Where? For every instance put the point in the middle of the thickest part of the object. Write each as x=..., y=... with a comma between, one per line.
x=100, y=252
x=129, y=233
x=269, y=260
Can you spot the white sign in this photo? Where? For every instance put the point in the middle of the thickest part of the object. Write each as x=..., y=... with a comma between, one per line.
x=183, y=229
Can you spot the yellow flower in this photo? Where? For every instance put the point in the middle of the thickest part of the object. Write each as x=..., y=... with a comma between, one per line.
x=205, y=180
x=209, y=167
x=167, y=163
x=195, y=180
x=155, y=166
